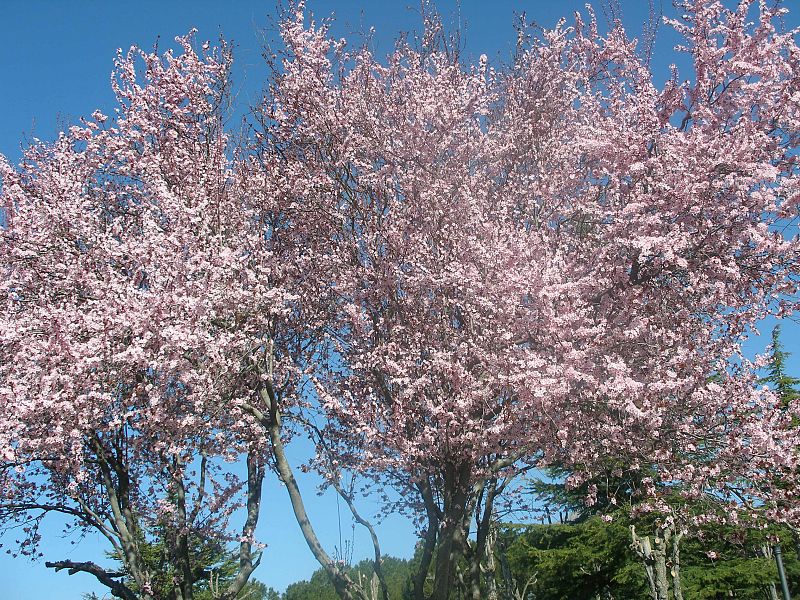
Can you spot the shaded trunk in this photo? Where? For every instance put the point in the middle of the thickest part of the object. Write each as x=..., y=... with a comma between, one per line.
x=429, y=541
x=116, y=483
x=491, y=566
x=449, y=551
x=247, y=563
x=452, y=534
x=772, y=591
x=796, y=539
x=483, y=507
x=180, y=551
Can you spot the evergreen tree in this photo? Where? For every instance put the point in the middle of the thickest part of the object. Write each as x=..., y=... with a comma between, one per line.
x=777, y=377
x=785, y=385
x=319, y=587
x=214, y=566
x=593, y=559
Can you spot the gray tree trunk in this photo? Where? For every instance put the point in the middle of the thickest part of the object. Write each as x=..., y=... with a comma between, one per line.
x=772, y=590
x=654, y=556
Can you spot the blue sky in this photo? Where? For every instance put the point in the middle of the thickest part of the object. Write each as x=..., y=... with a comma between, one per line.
x=55, y=67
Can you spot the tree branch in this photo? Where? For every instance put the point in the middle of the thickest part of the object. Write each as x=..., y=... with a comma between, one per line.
x=117, y=588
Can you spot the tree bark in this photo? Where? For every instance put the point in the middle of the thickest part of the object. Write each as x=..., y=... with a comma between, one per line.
x=429, y=541
x=181, y=549
x=345, y=587
x=107, y=578
x=452, y=535
x=675, y=571
x=485, y=493
x=654, y=557
x=772, y=589
x=379, y=582
x=491, y=566
x=123, y=522
x=255, y=479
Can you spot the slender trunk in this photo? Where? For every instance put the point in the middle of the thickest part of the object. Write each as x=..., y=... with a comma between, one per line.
x=429, y=541
x=460, y=585
x=771, y=589
x=181, y=549
x=123, y=520
x=796, y=539
x=491, y=565
x=484, y=492
x=379, y=580
x=510, y=587
x=345, y=587
x=255, y=479
x=675, y=571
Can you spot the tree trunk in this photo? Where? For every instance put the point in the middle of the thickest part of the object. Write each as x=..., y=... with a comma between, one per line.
x=662, y=583
x=429, y=541
x=491, y=565
x=452, y=535
x=796, y=540
x=124, y=520
x=771, y=589
x=448, y=552
x=482, y=506
x=247, y=564
x=345, y=587
x=675, y=571
x=654, y=557
x=185, y=579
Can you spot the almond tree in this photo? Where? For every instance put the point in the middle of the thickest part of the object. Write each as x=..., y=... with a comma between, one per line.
x=555, y=261
x=137, y=285
x=464, y=271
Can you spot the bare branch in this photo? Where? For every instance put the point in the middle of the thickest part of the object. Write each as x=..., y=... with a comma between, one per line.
x=107, y=578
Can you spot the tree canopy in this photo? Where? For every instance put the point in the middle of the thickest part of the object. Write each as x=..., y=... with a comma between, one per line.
x=445, y=273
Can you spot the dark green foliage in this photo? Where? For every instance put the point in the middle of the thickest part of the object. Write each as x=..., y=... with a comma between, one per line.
x=396, y=571
x=615, y=487
x=210, y=559
x=318, y=587
x=593, y=559
x=734, y=559
x=590, y=559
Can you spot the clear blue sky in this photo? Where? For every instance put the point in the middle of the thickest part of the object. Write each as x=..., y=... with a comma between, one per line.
x=55, y=67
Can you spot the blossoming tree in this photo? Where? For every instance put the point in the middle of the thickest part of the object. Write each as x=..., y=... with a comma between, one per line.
x=135, y=284
x=465, y=271
x=554, y=261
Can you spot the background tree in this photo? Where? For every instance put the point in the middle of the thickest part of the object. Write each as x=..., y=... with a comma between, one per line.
x=319, y=587
x=216, y=565
x=784, y=384
x=594, y=559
